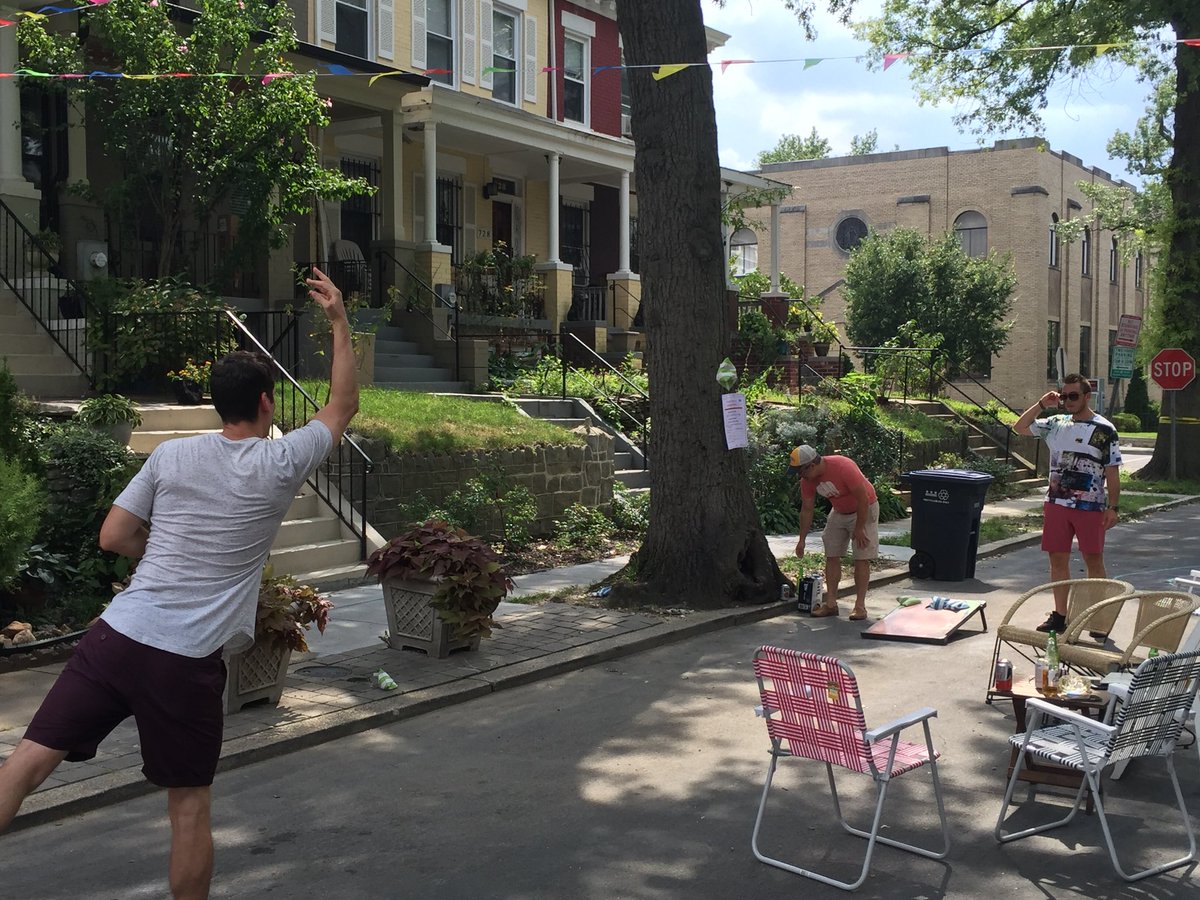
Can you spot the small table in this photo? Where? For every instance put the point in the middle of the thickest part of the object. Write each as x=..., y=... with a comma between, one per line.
x=1094, y=705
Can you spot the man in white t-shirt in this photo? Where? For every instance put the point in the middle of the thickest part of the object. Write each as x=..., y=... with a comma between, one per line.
x=201, y=515
x=1085, y=484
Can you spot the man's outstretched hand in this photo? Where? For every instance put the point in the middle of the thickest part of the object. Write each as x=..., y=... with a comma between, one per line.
x=326, y=295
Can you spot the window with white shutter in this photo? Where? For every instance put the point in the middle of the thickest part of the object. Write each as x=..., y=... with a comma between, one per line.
x=470, y=42
x=531, y=58
x=385, y=23
x=327, y=20
x=485, y=41
x=418, y=34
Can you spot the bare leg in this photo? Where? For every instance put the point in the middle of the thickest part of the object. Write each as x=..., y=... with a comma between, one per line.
x=862, y=579
x=26, y=768
x=191, y=842
x=833, y=576
x=1095, y=565
x=1060, y=570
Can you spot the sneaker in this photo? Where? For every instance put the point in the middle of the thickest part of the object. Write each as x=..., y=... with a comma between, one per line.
x=1056, y=623
x=1100, y=636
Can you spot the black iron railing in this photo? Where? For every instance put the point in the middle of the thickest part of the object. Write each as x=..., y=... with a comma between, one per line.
x=413, y=294
x=352, y=276
x=589, y=303
x=30, y=270
x=570, y=345
x=620, y=317
x=486, y=291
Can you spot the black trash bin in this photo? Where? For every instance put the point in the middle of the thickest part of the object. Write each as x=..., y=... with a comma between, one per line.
x=946, y=506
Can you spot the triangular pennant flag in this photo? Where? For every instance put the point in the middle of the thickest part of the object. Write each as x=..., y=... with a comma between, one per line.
x=889, y=58
x=488, y=70
x=809, y=63
x=105, y=74
x=1191, y=42
x=335, y=69
x=375, y=78
x=666, y=71
x=4, y=22
x=271, y=76
x=551, y=69
x=141, y=77
x=598, y=69
x=1104, y=48
x=55, y=10
x=438, y=72
x=726, y=63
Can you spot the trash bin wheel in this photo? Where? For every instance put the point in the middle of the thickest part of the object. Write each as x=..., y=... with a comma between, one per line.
x=921, y=565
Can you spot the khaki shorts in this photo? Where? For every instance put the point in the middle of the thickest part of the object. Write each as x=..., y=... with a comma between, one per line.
x=839, y=534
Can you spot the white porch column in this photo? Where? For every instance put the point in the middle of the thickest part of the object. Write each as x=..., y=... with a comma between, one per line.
x=391, y=228
x=623, y=228
x=552, y=244
x=775, y=248
x=12, y=182
x=430, y=182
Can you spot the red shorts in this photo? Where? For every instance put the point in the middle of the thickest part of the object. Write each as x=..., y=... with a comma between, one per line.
x=175, y=700
x=1061, y=523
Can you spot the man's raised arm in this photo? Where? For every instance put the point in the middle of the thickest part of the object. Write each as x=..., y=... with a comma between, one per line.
x=343, y=382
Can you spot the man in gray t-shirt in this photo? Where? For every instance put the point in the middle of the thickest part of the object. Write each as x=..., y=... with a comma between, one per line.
x=201, y=516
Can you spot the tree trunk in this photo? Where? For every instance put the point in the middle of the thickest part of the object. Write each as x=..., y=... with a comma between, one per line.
x=705, y=546
x=1177, y=277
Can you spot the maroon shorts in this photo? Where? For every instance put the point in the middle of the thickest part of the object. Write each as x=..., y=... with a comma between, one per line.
x=175, y=700
x=1061, y=523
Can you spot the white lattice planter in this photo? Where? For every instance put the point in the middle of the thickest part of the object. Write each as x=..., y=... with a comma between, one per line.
x=415, y=625
x=256, y=674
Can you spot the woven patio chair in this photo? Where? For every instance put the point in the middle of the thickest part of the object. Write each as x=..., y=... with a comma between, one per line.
x=1162, y=617
x=1146, y=726
x=1084, y=593
x=813, y=711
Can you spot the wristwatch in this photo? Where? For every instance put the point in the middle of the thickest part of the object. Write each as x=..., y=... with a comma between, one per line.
x=1041, y=406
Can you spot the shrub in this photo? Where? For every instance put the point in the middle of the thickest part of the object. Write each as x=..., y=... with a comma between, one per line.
x=21, y=505
x=1126, y=422
x=1137, y=401
x=891, y=505
x=583, y=526
x=492, y=506
x=630, y=511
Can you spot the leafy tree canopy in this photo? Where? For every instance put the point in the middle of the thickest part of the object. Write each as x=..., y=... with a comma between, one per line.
x=904, y=283
x=185, y=147
x=792, y=147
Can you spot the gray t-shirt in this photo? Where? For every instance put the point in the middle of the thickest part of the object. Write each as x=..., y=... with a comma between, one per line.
x=214, y=506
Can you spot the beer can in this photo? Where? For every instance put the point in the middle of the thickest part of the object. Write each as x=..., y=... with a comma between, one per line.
x=1004, y=675
x=786, y=592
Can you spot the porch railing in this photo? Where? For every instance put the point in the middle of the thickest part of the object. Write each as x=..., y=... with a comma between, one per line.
x=352, y=276
x=485, y=292
x=589, y=303
x=417, y=296
x=27, y=268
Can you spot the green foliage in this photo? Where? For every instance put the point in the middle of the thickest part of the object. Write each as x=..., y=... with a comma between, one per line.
x=492, y=505
x=988, y=465
x=865, y=144
x=16, y=415
x=185, y=147
x=794, y=147
x=630, y=511
x=108, y=409
x=1126, y=422
x=496, y=282
x=21, y=503
x=85, y=470
x=287, y=609
x=147, y=329
x=891, y=505
x=760, y=336
x=1138, y=402
x=471, y=581
x=901, y=277
x=912, y=364
x=583, y=526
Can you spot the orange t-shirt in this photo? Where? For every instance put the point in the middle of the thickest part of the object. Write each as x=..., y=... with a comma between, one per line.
x=840, y=477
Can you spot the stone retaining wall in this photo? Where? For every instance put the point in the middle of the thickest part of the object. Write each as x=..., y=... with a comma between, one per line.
x=557, y=476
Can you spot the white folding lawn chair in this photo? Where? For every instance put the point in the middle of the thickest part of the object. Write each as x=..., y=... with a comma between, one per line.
x=1148, y=724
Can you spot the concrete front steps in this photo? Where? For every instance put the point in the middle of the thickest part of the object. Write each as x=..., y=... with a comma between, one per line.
x=40, y=367
x=979, y=442
x=400, y=364
x=629, y=464
x=312, y=544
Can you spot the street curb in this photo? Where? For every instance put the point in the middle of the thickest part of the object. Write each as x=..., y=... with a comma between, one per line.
x=72, y=799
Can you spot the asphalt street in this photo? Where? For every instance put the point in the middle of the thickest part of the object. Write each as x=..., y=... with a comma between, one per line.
x=639, y=778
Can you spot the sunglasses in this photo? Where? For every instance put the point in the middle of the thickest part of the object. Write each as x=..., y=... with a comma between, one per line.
x=1074, y=395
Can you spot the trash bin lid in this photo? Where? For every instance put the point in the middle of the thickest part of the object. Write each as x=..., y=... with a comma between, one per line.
x=961, y=476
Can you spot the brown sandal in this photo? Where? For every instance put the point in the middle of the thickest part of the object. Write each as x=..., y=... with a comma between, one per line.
x=829, y=609
x=858, y=615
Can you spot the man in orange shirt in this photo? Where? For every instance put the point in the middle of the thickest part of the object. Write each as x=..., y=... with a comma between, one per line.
x=855, y=514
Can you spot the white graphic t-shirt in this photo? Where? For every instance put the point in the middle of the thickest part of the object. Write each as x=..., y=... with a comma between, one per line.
x=1079, y=452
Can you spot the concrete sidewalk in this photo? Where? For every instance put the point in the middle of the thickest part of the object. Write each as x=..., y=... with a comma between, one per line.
x=329, y=692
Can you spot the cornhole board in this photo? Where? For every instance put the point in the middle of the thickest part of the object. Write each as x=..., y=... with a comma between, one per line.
x=919, y=624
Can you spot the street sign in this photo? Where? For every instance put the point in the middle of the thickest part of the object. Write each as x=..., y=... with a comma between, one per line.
x=1120, y=364
x=1127, y=332
x=1173, y=369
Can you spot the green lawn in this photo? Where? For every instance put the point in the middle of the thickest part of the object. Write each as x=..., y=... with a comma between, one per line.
x=917, y=426
x=414, y=422
x=1130, y=482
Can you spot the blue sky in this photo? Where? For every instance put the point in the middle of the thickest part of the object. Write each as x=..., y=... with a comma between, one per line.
x=756, y=104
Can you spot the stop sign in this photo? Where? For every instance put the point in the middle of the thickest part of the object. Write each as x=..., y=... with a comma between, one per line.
x=1173, y=369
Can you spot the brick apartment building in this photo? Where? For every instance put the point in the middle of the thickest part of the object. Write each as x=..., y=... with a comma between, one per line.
x=1008, y=198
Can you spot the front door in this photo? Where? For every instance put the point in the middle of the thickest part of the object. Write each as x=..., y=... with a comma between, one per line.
x=502, y=225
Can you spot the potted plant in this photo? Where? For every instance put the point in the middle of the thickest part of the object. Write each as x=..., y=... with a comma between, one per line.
x=190, y=382
x=42, y=249
x=112, y=414
x=824, y=334
x=440, y=586
x=286, y=610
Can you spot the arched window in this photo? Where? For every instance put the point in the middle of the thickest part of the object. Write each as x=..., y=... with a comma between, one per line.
x=850, y=233
x=743, y=247
x=1054, y=240
x=971, y=228
x=1085, y=252
x=1114, y=265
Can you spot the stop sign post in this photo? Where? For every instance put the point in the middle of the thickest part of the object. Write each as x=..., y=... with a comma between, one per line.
x=1173, y=369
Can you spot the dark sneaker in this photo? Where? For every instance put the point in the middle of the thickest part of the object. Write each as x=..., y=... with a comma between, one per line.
x=1100, y=636
x=1056, y=623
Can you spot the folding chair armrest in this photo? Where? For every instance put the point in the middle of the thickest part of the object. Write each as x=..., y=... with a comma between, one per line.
x=913, y=718
x=1068, y=716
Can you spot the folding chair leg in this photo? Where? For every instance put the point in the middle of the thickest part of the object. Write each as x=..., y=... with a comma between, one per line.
x=1155, y=870
x=1037, y=829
